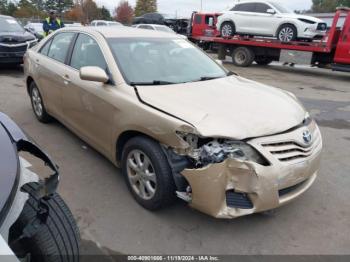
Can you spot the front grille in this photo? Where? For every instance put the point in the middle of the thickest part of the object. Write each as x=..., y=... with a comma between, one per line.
x=13, y=49
x=288, y=190
x=286, y=151
x=238, y=200
x=322, y=27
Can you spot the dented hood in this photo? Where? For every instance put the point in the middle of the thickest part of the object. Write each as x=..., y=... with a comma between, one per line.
x=231, y=107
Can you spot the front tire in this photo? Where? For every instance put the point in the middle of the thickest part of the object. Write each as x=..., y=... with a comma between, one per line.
x=58, y=240
x=38, y=104
x=147, y=173
x=287, y=33
x=227, y=29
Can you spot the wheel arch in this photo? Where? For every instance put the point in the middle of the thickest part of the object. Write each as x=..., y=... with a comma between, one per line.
x=289, y=22
x=123, y=138
x=227, y=20
x=29, y=81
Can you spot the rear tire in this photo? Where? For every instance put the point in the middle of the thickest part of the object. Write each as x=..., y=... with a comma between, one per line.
x=38, y=104
x=56, y=241
x=160, y=190
x=287, y=33
x=227, y=29
x=243, y=56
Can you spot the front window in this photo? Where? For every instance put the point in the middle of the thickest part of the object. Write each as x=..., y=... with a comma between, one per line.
x=86, y=52
x=168, y=61
x=282, y=9
x=8, y=24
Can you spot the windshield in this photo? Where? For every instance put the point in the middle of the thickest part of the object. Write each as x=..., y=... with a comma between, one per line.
x=164, y=29
x=282, y=9
x=8, y=24
x=144, y=61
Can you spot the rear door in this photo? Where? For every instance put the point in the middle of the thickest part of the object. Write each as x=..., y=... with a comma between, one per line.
x=243, y=17
x=342, y=55
x=51, y=68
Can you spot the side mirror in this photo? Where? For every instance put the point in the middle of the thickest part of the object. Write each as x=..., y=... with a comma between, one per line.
x=271, y=11
x=211, y=21
x=94, y=74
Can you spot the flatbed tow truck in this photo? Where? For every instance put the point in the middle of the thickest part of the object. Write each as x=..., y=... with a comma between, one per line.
x=333, y=51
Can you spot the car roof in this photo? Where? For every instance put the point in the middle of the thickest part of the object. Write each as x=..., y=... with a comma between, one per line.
x=120, y=32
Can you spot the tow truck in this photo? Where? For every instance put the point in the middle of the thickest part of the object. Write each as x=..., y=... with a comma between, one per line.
x=332, y=51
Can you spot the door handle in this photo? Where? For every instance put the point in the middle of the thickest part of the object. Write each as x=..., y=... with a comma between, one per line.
x=37, y=62
x=66, y=79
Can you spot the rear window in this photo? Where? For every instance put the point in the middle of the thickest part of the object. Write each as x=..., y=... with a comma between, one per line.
x=60, y=46
x=250, y=7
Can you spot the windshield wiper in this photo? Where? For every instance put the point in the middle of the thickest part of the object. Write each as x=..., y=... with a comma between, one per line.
x=206, y=78
x=153, y=83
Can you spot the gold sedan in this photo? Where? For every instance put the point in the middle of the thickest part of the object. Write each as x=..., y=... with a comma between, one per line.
x=175, y=121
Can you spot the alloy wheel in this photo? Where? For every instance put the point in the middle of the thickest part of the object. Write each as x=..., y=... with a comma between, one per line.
x=226, y=30
x=141, y=174
x=37, y=102
x=286, y=34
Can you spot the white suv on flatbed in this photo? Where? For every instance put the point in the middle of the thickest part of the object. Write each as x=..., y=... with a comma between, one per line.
x=271, y=19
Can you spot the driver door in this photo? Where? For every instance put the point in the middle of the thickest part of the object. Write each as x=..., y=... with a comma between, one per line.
x=264, y=23
x=85, y=103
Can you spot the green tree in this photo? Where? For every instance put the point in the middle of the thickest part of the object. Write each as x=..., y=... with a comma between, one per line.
x=105, y=14
x=11, y=9
x=64, y=5
x=50, y=5
x=25, y=9
x=59, y=6
x=324, y=6
x=145, y=6
x=3, y=6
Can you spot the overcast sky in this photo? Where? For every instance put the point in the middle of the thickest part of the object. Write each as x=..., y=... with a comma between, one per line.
x=185, y=7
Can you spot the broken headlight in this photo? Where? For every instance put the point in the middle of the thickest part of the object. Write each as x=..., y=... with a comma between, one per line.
x=205, y=151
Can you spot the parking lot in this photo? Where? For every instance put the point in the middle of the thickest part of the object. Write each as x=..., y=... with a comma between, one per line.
x=112, y=222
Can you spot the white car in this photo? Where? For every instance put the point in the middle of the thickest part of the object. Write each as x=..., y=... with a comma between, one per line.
x=155, y=27
x=270, y=19
x=105, y=23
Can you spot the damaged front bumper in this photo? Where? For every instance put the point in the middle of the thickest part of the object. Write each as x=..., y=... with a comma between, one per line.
x=237, y=188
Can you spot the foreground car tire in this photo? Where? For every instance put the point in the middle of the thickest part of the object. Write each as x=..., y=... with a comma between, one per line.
x=243, y=56
x=148, y=174
x=56, y=241
x=287, y=33
x=227, y=29
x=38, y=104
